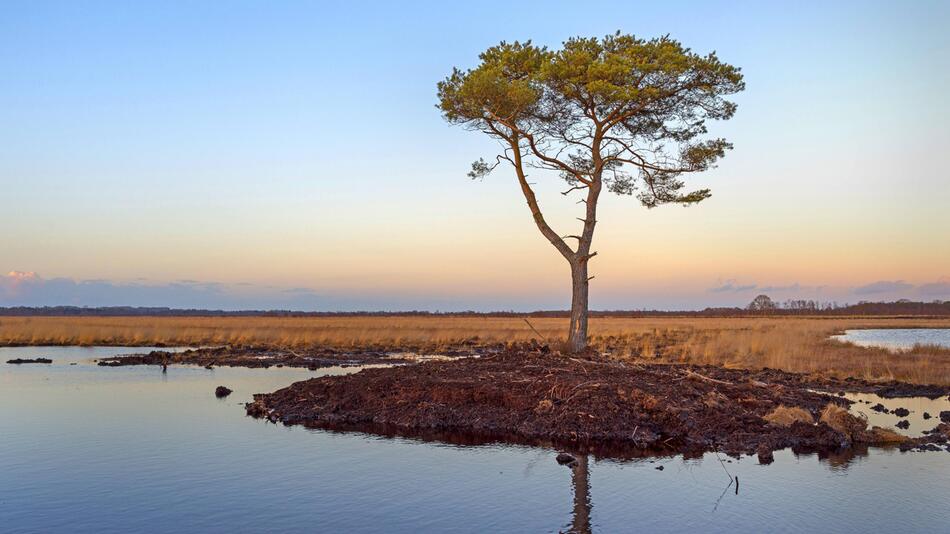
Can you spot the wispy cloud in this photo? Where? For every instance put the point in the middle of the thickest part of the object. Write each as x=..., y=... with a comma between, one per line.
x=940, y=288
x=778, y=289
x=30, y=289
x=883, y=286
x=731, y=286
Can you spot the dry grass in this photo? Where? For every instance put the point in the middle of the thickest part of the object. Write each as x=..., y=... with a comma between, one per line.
x=884, y=436
x=839, y=419
x=793, y=344
x=786, y=416
x=803, y=345
x=856, y=428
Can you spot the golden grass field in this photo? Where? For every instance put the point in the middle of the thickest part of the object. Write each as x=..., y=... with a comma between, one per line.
x=793, y=344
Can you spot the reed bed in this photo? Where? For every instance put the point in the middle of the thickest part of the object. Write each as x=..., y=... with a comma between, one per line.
x=792, y=344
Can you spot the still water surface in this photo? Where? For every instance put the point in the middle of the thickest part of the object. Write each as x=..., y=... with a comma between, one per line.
x=92, y=449
x=897, y=338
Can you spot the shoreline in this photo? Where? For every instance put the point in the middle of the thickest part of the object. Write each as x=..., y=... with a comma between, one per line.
x=587, y=404
x=311, y=358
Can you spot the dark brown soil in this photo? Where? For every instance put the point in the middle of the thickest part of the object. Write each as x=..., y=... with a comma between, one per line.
x=264, y=357
x=545, y=398
x=889, y=390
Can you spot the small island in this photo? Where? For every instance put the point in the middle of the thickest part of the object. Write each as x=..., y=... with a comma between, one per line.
x=20, y=361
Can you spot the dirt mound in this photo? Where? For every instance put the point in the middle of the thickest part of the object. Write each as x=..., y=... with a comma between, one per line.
x=549, y=398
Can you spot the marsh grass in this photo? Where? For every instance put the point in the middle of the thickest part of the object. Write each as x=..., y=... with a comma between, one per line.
x=792, y=344
x=843, y=421
x=786, y=416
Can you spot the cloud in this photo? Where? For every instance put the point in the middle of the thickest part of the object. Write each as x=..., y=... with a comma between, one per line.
x=15, y=282
x=29, y=289
x=791, y=287
x=299, y=290
x=883, y=286
x=940, y=288
x=730, y=286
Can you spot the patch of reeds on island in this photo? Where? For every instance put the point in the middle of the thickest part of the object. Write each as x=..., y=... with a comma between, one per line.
x=786, y=416
x=856, y=428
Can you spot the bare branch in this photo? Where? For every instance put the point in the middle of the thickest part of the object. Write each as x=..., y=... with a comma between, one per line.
x=576, y=187
x=553, y=161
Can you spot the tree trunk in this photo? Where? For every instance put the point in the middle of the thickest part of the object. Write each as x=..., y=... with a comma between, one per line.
x=577, y=338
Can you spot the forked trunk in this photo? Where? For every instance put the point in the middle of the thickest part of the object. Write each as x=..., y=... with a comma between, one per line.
x=577, y=338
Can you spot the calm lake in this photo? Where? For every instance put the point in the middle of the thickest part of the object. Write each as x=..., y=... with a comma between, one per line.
x=97, y=449
x=897, y=338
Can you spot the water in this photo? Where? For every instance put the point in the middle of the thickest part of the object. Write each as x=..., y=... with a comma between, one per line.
x=93, y=449
x=916, y=405
x=897, y=338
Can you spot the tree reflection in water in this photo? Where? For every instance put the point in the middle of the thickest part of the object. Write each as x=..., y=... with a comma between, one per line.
x=580, y=479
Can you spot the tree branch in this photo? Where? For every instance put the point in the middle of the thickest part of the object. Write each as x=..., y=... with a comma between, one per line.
x=576, y=187
x=532, y=200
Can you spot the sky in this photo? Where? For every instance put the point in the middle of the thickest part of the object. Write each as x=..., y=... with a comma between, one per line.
x=289, y=155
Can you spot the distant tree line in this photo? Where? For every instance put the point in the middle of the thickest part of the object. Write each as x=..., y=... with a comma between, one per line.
x=761, y=305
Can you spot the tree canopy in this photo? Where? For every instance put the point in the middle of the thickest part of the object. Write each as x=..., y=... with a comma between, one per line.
x=628, y=111
x=762, y=303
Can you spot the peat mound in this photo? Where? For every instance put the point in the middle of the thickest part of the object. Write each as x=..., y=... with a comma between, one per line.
x=538, y=397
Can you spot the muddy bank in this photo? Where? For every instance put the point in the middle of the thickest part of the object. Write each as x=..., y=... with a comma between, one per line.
x=311, y=358
x=20, y=361
x=889, y=390
x=543, y=398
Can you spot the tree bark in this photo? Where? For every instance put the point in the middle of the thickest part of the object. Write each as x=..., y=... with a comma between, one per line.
x=577, y=335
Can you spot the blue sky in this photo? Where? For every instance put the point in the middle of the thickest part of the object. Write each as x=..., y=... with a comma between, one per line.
x=267, y=150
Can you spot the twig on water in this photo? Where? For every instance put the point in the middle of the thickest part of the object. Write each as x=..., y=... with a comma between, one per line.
x=723, y=494
x=723, y=464
x=731, y=480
